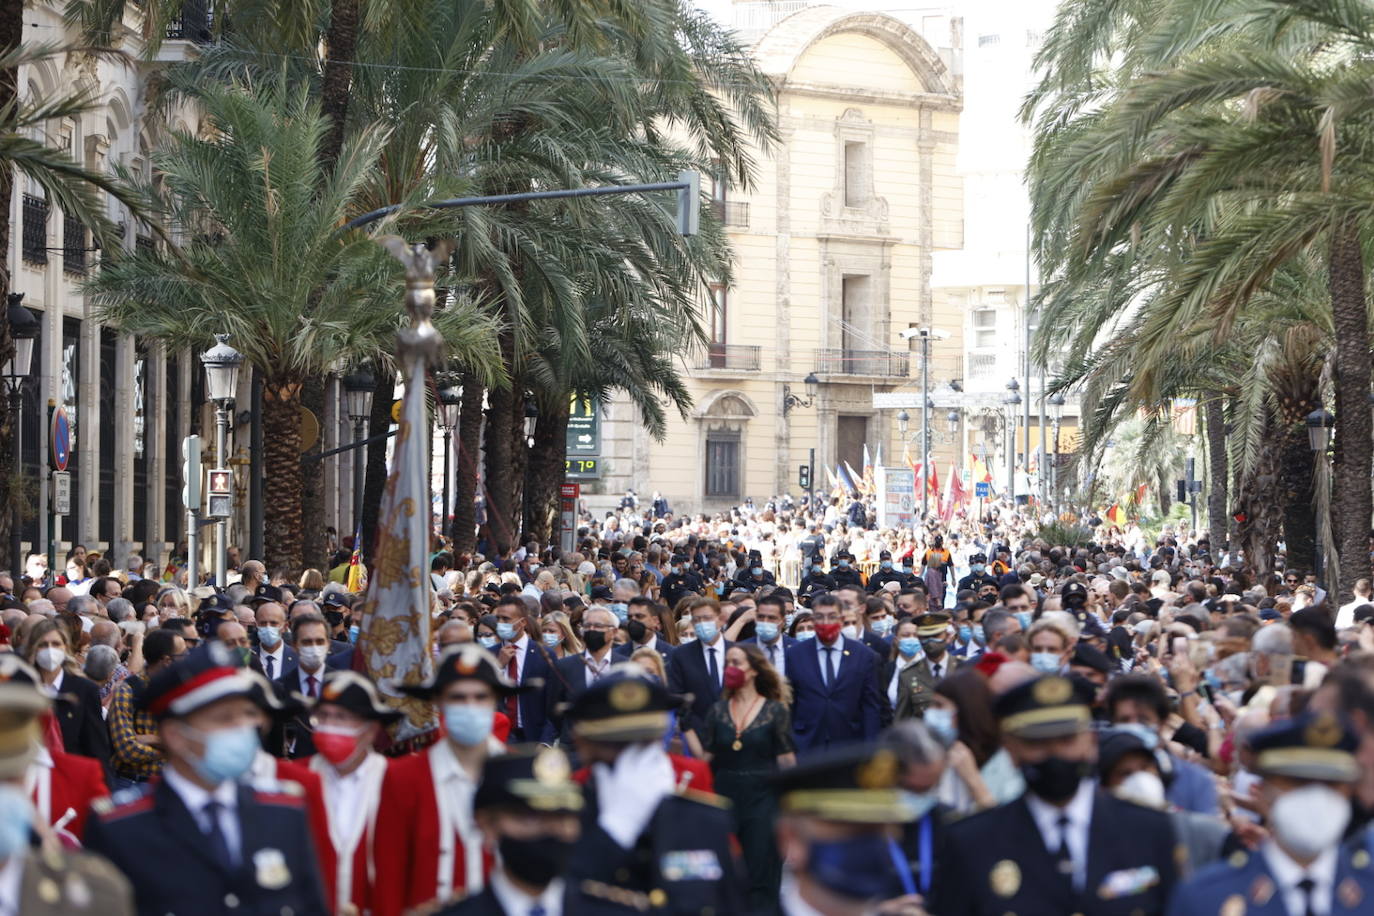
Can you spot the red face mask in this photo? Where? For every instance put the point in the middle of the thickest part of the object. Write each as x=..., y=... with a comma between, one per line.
x=336, y=745
x=734, y=677
x=828, y=632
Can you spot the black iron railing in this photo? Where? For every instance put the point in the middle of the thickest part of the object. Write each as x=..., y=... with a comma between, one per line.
x=73, y=244
x=731, y=356
x=842, y=361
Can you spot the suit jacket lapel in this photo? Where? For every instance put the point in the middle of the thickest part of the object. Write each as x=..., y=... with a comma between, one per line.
x=182, y=826
x=1039, y=859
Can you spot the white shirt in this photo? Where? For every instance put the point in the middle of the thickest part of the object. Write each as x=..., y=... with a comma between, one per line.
x=517, y=903
x=1345, y=616
x=718, y=650
x=276, y=656
x=55, y=687
x=317, y=675
x=596, y=669
x=905, y=663
x=834, y=657
x=776, y=653
x=11, y=885
x=1079, y=811
x=453, y=792
x=195, y=799
x=941, y=668
x=1288, y=873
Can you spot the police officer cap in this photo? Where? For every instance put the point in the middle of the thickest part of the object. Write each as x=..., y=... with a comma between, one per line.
x=1050, y=706
x=1086, y=656
x=1317, y=746
x=352, y=691
x=208, y=674
x=625, y=705
x=932, y=624
x=1073, y=587
x=465, y=661
x=978, y=558
x=216, y=604
x=529, y=778
x=21, y=701
x=265, y=593
x=885, y=555
x=857, y=783
x=601, y=593
x=334, y=599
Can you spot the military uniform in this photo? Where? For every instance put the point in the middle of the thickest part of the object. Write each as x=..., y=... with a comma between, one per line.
x=54, y=882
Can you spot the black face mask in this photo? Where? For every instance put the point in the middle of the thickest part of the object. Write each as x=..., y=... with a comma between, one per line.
x=595, y=640
x=1055, y=779
x=538, y=861
x=636, y=629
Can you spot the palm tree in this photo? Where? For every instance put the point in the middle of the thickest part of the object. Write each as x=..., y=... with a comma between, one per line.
x=269, y=265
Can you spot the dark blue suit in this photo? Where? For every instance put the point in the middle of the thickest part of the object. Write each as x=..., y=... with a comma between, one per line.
x=850, y=710
x=784, y=643
x=660, y=645
x=150, y=836
x=534, y=722
x=1248, y=875
x=687, y=673
x=279, y=665
x=567, y=680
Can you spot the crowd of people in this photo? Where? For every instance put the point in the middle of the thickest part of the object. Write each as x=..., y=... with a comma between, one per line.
x=775, y=710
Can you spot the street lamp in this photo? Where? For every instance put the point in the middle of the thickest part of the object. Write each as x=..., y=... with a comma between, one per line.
x=449, y=399
x=24, y=331
x=1319, y=425
x=1012, y=400
x=359, y=387
x=790, y=400
x=1057, y=407
x=903, y=421
x=222, y=364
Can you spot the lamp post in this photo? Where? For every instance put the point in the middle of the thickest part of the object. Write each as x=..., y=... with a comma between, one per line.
x=24, y=331
x=1057, y=406
x=359, y=387
x=449, y=400
x=789, y=401
x=1012, y=400
x=222, y=364
x=1320, y=422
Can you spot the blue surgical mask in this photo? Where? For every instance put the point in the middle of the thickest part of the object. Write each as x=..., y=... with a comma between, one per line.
x=552, y=640
x=353, y=633
x=1045, y=662
x=859, y=868
x=919, y=803
x=882, y=626
x=965, y=634
x=488, y=642
x=788, y=622
x=1024, y=618
x=621, y=610
x=978, y=567
x=505, y=631
x=468, y=724
x=817, y=568
x=229, y=753
x=941, y=722
x=886, y=564
x=16, y=818
x=766, y=632
x=804, y=635
x=269, y=637
x=843, y=564
x=1148, y=736
x=909, y=646
x=907, y=568
x=706, y=630
x=978, y=635
x=756, y=571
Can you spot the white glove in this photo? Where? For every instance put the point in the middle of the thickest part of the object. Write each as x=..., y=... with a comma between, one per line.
x=629, y=790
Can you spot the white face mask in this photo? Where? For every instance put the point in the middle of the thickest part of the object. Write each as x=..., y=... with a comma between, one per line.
x=50, y=658
x=849, y=632
x=1309, y=820
x=1143, y=788
x=312, y=656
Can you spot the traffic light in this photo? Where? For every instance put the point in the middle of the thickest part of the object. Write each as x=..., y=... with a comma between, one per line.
x=219, y=493
x=190, y=473
x=804, y=477
x=689, y=203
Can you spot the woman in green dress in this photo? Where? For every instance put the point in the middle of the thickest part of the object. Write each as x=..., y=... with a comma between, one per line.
x=747, y=736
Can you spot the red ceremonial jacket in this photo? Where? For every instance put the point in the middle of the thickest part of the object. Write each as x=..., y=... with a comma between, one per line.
x=361, y=881
x=76, y=782
x=292, y=771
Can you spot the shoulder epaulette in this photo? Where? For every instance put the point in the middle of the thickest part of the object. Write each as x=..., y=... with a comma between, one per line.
x=123, y=803
x=706, y=798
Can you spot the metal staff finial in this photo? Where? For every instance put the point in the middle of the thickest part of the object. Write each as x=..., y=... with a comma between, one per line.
x=421, y=264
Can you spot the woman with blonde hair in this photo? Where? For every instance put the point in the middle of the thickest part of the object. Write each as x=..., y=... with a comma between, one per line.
x=557, y=632
x=173, y=602
x=311, y=581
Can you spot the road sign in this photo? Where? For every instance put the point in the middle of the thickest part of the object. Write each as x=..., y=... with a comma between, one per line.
x=61, y=439
x=61, y=493
x=982, y=489
x=584, y=428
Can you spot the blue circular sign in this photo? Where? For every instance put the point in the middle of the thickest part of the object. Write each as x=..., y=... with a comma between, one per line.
x=61, y=439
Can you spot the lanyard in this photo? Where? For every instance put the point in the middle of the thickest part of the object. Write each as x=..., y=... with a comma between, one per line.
x=926, y=854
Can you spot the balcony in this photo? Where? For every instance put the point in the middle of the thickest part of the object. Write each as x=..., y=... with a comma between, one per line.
x=832, y=361
x=195, y=24
x=728, y=356
x=35, y=239
x=732, y=214
x=145, y=245
x=73, y=245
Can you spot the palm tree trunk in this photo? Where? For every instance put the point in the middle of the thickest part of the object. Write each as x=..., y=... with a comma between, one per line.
x=1350, y=322
x=312, y=480
x=469, y=435
x=1166, y=501
x=519, y=459
x=546, y=472
x=1256, y=499
x=374, y=477
x=1218, y=518
x=500, y=476
x=340, y=46
x=1296, y=474
x=282, y=521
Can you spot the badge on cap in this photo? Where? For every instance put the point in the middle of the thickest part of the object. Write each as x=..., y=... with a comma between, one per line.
x=551, y=767
x=628, y=696
x=1052, y=691
x=1005, y=878
x=269, y=866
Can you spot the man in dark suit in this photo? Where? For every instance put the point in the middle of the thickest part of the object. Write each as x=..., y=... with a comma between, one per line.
x=571, y=676
x=834, y=684
x=273, y=653
x=699, y=667
x=524, y=661
x=1064, y=846
x=642, y=626
x=199, y=840
x=306, y=677
x=768, y=634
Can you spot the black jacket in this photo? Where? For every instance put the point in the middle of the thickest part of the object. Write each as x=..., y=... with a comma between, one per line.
x=83, y=727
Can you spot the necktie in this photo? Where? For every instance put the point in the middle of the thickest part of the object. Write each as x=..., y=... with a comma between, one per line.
x=773, y=656
x=310, y=685
x=1063, y=858
x=829, y=666
x=935, y=670
x=1307, y=886
x=711, y=665
x=271, y=667
x=214, y=836
x=538, y=910
x=512, y=701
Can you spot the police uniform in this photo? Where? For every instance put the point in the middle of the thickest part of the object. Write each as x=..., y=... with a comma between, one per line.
x=884, y=576
x=1001, y=861
x=976, y=580
x=150, y=834
x=815, y=583
x=681, y=861
x=1311, y=747
x=844, y=575
x=1074, y=595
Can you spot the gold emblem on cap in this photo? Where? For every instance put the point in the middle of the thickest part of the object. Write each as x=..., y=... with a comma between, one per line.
x=1051, y=691
x=878, y=772
x=1360, y=858
x=1233, y=905
x=1324, y=731
x=1005, y=878
x=551, y=767
x=628, y=696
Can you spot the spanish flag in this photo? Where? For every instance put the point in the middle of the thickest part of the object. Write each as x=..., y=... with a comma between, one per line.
x=357, y=572
x=1117, y=516
x=1140, y=492
x=980, y=470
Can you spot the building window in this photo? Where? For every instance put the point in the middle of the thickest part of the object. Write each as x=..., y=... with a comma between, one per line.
x=73, y=244
x=856, y=315
x=35, y=239
x=716, y=353
x=722, y=465
x=984, y=328
x=989, y=41
x=857, y=174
